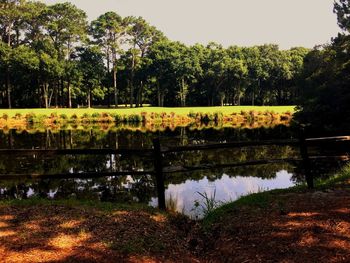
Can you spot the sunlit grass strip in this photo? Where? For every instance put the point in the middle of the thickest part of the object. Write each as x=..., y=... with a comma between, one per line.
x=130, y=111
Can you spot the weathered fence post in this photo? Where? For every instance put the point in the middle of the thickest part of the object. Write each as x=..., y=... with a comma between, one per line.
x=306, y=161
x=158, y=166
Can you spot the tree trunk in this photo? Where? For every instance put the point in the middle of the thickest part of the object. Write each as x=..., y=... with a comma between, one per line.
x=56, y=94
x=69, y=95
x=183, y=93
x=222, y=98
x=158, y=94
x=8, y=88
x=131, y=94
x=39, y=94
x=115, y=87
x=239, y=94
x=132, y=81
x=108, y=85
x=46, y=95
x=141, y=92
x=162, y=100
x=61, y=91
x=89, y=98
x=114, y=65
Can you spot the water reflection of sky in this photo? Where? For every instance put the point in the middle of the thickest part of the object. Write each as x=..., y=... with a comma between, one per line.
x=225, y=189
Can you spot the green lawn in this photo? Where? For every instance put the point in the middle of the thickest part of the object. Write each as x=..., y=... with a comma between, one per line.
x=127, y=111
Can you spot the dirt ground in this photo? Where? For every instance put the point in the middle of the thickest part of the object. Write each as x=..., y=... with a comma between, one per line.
x=309, y=227
x=303, y=227
x=55, y=233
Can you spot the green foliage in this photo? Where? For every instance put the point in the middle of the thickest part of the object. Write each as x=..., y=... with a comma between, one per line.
x=63, y=117
x=63, y=61
x=5, y=116
x=30, y=117
x=134, y=118
x=325, y=97
x=40, y=118
x=208, y=204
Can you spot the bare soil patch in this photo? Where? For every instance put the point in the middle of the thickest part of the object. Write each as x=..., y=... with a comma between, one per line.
x=55, y=233
x=307, y=227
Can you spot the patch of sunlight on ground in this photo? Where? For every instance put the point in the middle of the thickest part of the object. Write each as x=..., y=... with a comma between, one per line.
x=6, y=217
x=71, y=224
x=120, y=213
x=158, y=218
x=32, y=226
x=68, y=241
x=308, y=214
x=3, y=224
x=7, y=233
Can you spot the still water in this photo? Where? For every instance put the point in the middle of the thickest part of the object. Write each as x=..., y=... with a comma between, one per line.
x=186, y=195
x=184, y=191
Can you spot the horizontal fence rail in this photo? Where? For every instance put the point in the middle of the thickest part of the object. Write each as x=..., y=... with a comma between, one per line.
x=73, y=175
x=157, y=152
x=76, y=151
x=226, y=145
x=329, y=139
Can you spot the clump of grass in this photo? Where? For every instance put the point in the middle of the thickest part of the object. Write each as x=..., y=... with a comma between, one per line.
x=144, y=116
x=117, y=117
x=207, y=117
x=54, y=118
x=96, y=115
x=30, y=117
x=218, y=116
x=192, y=114
x=63, y=117
x=18, y=116
x=74, y=117
x=134, y=118
x=86, y=118
x=105, y=115
x=106, y=118
x=171, y=203
x=208, y=204
x=5, y=116
x=40, y=118
x=339, y=177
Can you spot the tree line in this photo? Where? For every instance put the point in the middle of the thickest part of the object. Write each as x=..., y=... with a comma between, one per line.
x=324, y=102
x=51, y=56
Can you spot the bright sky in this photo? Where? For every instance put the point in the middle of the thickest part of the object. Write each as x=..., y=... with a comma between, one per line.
x=288, y=23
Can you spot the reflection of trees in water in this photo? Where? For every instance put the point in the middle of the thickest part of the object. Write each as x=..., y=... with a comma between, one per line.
x=267, y=171
x=115, y=189
x=98, y=138
x=236, y=155
x=127, y=188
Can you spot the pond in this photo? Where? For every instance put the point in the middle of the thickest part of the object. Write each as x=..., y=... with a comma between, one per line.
x=185, y=192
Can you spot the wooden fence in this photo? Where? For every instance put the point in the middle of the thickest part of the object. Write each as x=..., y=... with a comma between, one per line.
x=158, y=153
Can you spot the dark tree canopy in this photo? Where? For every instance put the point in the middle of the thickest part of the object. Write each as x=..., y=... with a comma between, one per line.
x=135, y=64
x=325, y=96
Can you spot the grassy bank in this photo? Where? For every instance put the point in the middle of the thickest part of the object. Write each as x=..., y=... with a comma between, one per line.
x=16, y=118
x=227, y=110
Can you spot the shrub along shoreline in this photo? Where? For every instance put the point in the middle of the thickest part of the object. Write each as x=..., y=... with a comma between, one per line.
x=150, y=115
